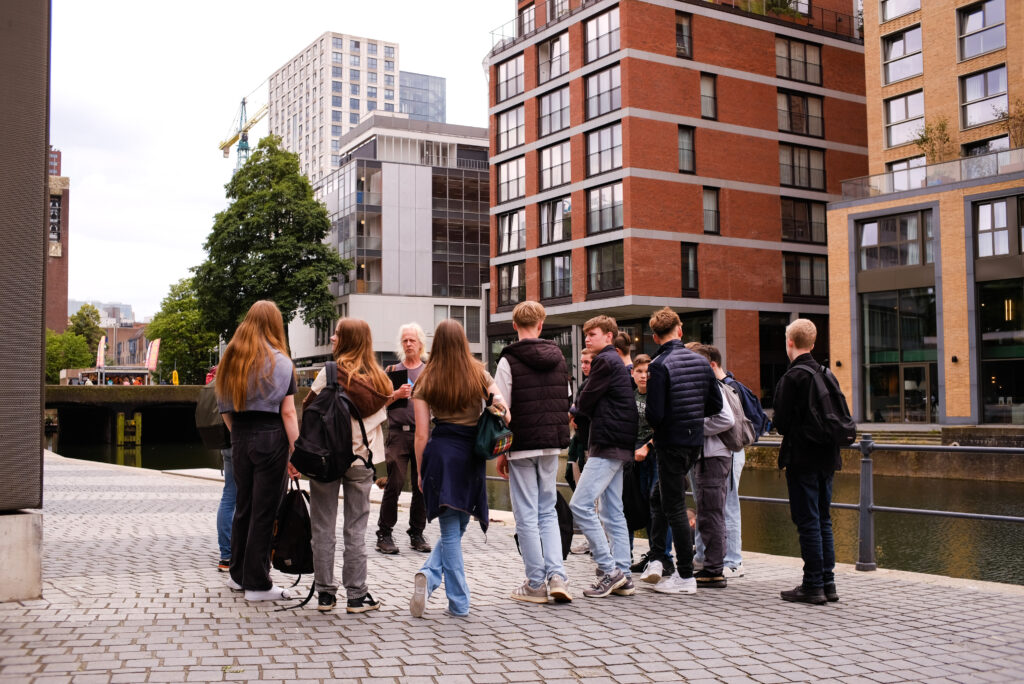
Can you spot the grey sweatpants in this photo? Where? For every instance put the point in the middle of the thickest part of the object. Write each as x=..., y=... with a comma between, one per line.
x=323, y=513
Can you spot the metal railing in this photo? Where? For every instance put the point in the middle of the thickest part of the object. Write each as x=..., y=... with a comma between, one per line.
x=866, y=506
x=967, y=168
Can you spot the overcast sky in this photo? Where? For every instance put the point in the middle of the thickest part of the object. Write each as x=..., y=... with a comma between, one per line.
x=142, y=93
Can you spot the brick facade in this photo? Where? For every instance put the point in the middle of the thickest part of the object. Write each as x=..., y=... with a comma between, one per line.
x=57, y=259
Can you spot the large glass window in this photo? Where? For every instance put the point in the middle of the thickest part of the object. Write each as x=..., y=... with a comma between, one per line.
x=604, y=149
x=904, y=118
x=993, y=233
x=804, y=275
x=557, y=8
x=801, y=167
x=901, y=55
x=897, y=8
x=555, y=220
x=555, y=166
x=511, y=283
x=982, y=28
x=554, y=111
x=510, y=78
x=527, y=20
x=512, y=231
x=799, y=113
x=797, y=60
x=605, y=267
x=708, y=97
x=684, y=40
x=1001, y=324
x=983, y=96
x=803, y=220
x=511, y=179
x=689, y=263
x=604, y=208
x=602, y=35
x=556, y=276
x=687, y=157
x=899, y=240
x=553, y=58
x=710, y=199
x=604, y=92
x=511, y=128
x=907, y=173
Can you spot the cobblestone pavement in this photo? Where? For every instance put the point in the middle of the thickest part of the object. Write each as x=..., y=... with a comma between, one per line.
x=131, y=594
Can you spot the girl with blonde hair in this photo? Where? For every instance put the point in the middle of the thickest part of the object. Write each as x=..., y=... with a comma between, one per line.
x=255, y=394
x=452, y=387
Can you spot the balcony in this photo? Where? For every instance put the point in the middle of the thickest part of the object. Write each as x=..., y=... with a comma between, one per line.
x=545, y=13
x=934, y=175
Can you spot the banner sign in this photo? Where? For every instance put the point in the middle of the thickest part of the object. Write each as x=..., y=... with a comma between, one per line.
x=100, y=352
x=152, y=355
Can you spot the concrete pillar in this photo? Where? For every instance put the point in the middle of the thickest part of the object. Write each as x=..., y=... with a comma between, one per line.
x=21, y=544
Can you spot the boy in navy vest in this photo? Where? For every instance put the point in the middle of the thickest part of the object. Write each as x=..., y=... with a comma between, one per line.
x=533, y=375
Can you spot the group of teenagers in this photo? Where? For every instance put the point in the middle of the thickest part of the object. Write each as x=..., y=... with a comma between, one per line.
x=661, y=417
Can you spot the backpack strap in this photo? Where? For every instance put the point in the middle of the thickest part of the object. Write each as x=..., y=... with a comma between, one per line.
x=331, y=369
x=354, y=413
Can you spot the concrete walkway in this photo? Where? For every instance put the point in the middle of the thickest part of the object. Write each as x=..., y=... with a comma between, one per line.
x=132, y=595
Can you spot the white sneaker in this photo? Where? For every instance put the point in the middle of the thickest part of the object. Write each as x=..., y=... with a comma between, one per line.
x=652, y=573
x=275, y=593
x=733, y=573
x=233, y=585
x=580, y=548
x=674, y=584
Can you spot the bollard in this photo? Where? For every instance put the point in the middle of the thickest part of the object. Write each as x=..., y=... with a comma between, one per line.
x=866, y=555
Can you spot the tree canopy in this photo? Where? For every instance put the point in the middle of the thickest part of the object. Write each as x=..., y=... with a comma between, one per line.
x=268, y=244
x=185, y=343
x=86, y=323
x=66, y=350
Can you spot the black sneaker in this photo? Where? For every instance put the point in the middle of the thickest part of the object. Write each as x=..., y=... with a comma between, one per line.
x=830, y=592
x=639, y=566
x=326, y=602
x=362, y=604
x=707, y=579
x=802, y=594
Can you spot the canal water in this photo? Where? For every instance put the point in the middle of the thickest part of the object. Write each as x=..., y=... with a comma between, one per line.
x=971, y=549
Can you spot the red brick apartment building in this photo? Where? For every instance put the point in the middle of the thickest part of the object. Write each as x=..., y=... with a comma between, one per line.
x=672, y=152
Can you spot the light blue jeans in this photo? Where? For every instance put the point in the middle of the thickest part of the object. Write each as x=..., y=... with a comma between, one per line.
x=226, y=511
x=733, y=528
x=445, y=561
x=601, y=481
x=531, y=483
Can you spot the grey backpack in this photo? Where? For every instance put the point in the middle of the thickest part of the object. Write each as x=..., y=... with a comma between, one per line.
x=741, y=434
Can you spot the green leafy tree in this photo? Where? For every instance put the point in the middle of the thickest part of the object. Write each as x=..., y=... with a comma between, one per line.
x=268, y=244
x=86, y=322
x=66, y=350
x=185, y=343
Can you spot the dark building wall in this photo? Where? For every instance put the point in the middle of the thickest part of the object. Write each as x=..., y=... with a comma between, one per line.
x=57, y=256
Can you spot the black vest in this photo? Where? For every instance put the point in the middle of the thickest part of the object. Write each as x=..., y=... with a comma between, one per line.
x=540, y=395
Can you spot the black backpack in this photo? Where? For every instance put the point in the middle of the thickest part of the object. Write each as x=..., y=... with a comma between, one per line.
x=323, y=451
x=291, y=550
x=209, y=422
x=829, y=421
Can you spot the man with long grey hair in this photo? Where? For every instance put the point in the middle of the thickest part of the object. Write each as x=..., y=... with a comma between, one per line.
x=399, y=451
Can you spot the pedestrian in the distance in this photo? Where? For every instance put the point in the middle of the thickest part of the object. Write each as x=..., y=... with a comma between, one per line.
x=226, y=509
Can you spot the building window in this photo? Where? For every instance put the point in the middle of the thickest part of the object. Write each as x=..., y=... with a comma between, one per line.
x=687, y=156
x=371, y=76
x=371, y=91
x=904, y=118
x=604, y=92
x=554, y=111
x=510, y=78
x=991, y=229
x=1001, y=324
x=711, y=224
x=556, y=276
x=337, y=57
x=907, y=173
x=511, y=179
x=604, y=208
x=353, y=118
x=801, y=114
x=605, y=271
x=337, y=43
x=336, y=114
x=371, y=48
x=338, y=72
x=467, y=316
x=527, y=20
x=353, y=60
x=557, y=8
x=371, y=63
x=337, y=101
x=389, y=107
x=689, y=263
x=511, y=283
x=337, y=86
x=353, y=74
x=708, y=99
x=897, y=8
x=797, y=60
x=602, y=35
x=353, y=88
x=983, y=96
x=604, y=149
x=371, y=105
x=555, y=220
x=801, y=167
x=804, y=275
x=901, y=55
x=982, y=28
x=353, y=45
x=335, y=143
x=988, y=146
x=389, y=65
x=553, y=58
x=353, y=104
x=335, y=130
x=684, y=42
x=389, y=94
x=899, y=240
x=511, y=128
x=803, y=220
x=55, y=218
x=512, y=231
x=555, y=165
x=389, y=80
x=389, y=51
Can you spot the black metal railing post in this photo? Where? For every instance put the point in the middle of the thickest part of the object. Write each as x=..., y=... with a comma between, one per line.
x=866, y=554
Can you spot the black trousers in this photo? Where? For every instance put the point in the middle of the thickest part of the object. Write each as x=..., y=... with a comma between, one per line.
x=400, y=456
x=260, y=458
x=668, y=507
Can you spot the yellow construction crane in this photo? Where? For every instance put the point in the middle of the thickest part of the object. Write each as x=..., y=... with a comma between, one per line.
x=240, y=134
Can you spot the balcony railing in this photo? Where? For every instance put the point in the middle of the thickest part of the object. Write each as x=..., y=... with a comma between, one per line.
x=967, y=168
x=520, y=28
x=452, y=163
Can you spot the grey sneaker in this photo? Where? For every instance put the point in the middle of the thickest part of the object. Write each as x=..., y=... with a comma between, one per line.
x=525, y=592
x=605, y=585
x=558, y=589
x=627, y=589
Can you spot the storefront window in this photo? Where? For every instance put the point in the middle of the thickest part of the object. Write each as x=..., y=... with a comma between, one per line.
x=1002, y=350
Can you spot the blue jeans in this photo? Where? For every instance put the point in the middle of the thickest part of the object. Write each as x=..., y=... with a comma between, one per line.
x=531, y=484
x=810, y=501
x=733, y=527
x=602, y=481
x=226, y=511
x=445, y=561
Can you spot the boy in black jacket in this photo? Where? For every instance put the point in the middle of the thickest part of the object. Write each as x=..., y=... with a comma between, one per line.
x=606, y=403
